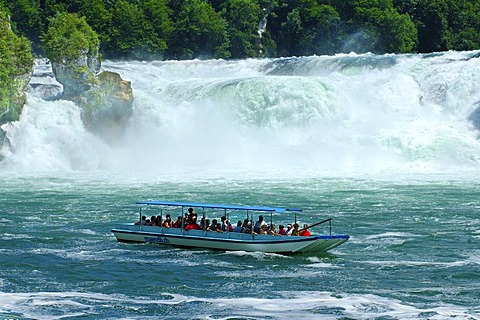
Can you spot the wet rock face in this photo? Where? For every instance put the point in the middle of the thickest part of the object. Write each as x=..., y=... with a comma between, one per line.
x=12, y=110
x=76, y=76
x=106, y=99
x=107, y=106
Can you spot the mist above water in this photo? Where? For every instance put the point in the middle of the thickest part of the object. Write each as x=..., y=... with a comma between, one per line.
x=317, y=115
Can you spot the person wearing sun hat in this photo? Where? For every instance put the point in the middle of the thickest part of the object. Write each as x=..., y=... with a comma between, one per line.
x=289, y=230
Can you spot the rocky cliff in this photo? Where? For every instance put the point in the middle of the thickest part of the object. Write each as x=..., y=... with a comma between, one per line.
x=16, y=69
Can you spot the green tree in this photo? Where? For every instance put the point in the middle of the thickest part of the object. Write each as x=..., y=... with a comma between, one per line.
x=26, y=18
x=139, y=30
x=96, y=15
x=431, y=20
x=126, y=30
x=51, y=8
x=157, y=14
x=243, y=20
x=310, y=28
x=69, y=37
x=398, y=32
x=444, y=24
x=199, y=31
x=464, y=23
x=389, y=30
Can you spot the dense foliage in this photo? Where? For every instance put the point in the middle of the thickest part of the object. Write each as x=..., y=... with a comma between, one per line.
x=69, y=38
x=184, y=29
x=15, y=60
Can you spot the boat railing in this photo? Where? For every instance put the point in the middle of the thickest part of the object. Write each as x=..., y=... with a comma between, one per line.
x=329, y=220
x=225, y=209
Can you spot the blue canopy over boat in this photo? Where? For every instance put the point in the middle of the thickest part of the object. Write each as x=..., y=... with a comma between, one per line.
x=217, y=206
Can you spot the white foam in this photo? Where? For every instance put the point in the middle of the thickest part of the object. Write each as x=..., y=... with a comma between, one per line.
x=260, y=256
x=9, y=236
x=305, y=305
x=49, y=137
x=390, y=235
x=459, y=263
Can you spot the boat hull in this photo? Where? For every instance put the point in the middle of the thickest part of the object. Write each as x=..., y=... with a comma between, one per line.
x=228, y=241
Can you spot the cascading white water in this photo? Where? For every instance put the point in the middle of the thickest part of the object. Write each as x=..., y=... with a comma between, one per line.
x=344, y=113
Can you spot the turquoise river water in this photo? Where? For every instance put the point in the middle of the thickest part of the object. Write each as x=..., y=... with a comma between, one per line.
x=387, y=146
x=413, y=252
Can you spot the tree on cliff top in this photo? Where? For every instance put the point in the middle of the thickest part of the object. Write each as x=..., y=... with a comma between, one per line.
x=72, y=47
x=69, y=37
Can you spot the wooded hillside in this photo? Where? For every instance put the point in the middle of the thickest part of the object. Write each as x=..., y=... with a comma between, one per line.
x=185, y=29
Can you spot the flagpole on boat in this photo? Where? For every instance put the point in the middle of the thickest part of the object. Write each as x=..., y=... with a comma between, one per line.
x=252, y=226
x=204, y=227
x=271, y=219
x=140, y=220
x=226, y=223
x=161, y=218
x=183, y=222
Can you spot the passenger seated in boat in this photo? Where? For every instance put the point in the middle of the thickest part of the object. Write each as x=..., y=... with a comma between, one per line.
x=263, y=229
x=218, y=227
x=224, y=223
x=185, y=220
x=281, y=230
x=142, y=221
x=168, y=222
x=259, y=224
x=295, y=231
x=178, y=223
x=213, y=226
x=153, y=221
x=192, y=225
x=206, y=225
x=247, y=226
x=191, y=214
x=239, y=227
x=304, y=232
x=272, y=230
x=289, y=230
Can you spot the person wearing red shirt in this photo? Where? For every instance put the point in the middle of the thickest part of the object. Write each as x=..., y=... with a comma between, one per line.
x=193, y=225
x=304, y=232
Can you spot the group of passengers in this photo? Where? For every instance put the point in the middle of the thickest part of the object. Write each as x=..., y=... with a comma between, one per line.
x=189, y=222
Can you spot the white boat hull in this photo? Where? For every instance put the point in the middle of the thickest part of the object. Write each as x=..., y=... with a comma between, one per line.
x=228, y=241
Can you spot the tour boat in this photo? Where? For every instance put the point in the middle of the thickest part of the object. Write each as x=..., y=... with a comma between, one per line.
x=227, y=240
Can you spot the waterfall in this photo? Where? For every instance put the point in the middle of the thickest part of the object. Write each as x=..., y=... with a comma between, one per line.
x=320, y=114
x=262, y=27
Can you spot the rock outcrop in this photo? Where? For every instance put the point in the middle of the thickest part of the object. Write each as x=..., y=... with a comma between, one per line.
x=12, y=110
x=107, y=106
x=76, y=75
x=105, y=99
